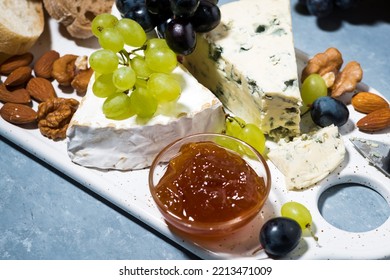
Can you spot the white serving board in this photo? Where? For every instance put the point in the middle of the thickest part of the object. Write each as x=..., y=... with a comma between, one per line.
x=130, y=191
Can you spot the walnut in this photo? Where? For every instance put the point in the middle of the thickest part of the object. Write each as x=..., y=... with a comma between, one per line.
x=324, y=63
x=347, y=79
x=54, y=116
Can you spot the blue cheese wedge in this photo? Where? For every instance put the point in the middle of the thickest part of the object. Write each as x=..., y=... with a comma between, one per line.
x=95, y=141
x=308, y=158
x=248, y=61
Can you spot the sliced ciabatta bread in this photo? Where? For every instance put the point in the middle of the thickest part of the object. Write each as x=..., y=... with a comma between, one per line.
x=21, y=24
x=77, y=15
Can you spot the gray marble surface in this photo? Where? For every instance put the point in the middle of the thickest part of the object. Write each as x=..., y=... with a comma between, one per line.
x=46, y=215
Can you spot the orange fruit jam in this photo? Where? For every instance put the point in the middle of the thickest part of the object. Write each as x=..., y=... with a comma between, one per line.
x=207, y=183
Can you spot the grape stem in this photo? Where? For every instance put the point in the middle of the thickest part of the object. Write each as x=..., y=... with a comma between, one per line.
x=258, y=249
x=308, y=226
x=125, y=55
x=233, y=119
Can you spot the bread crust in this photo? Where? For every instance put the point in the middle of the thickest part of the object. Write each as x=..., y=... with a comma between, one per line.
x=77, y=15
x=28, y=13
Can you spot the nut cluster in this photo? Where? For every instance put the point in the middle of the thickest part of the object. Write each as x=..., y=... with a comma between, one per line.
x=328, y=65
x=24, y=83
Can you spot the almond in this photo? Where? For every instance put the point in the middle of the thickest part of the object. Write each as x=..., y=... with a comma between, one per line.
x=15, y=62
x=18, y=113
x=44, y=65
x=40, y=89
x=367, y=102
x=19, y=76
x=20, y=96
x=375, y=121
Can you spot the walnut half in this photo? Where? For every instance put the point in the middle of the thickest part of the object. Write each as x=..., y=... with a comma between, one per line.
x=54, y=116
x=347, y=79
x=324, y=63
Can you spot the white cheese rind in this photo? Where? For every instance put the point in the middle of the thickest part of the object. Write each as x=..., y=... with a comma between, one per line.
x=249, y=62
x=95, y=141
x=309, y=158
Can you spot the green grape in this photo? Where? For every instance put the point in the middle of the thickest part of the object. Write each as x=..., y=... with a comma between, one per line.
x=234, y=126
x=124, y=78
x=144, y=103
x=156, y=43
x=104, y=86
x=111, y=39
x=132, y=32
x=228, y=142
x=102, y=21
x=104, y=61
x=252, y=135
x=97, y=75
x=141, y=83
x=118, y=107
x=164, y=87
x=161, y=60
x=313, y=87
x=139, y=65
x=298, y=212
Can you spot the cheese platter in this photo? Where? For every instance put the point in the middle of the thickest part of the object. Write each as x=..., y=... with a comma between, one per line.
x=129, y=189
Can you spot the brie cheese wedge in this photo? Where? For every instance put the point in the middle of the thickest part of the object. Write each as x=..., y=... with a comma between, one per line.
x=248, y=61
x=308, y=158
x=95, y=141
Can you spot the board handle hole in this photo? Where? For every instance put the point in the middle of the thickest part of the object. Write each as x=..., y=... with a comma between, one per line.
x=353, y=207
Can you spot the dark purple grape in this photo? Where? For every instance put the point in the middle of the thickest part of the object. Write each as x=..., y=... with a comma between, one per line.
x=159, y=7
x=162, y=27
x=279, y=236
x=345, y=4
x=320, y=8
x=206, y=17
x=140, y=14
x=124, y=6
x=327, y=110
x=153, y=5
x=180, y=36
x=184, y=8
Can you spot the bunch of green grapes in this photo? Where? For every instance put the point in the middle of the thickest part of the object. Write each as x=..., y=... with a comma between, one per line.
x=247, y=132
x=132, y=72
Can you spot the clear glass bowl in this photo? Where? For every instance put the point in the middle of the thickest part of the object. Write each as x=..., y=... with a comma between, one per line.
x=196, y=228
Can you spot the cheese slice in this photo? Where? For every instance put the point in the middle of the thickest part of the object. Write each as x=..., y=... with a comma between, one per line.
x=95, y=141
x=248, y=61
x=309, y=158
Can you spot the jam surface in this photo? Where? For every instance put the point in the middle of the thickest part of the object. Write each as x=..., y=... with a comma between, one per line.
x=207, y=183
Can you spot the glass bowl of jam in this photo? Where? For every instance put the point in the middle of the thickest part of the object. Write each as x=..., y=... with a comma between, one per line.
x=209, y=184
